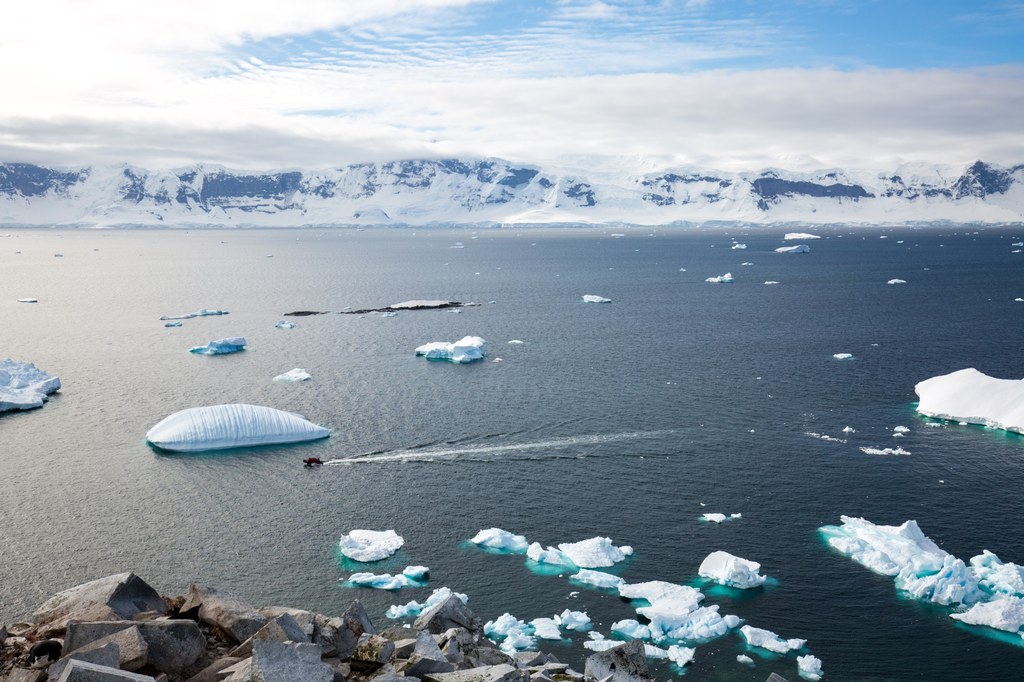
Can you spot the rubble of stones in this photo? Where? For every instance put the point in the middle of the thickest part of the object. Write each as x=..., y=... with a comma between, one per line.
x=119, y=628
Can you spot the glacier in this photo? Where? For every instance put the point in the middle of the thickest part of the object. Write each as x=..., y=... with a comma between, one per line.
x=219, y=427
x=23, y=386
x=968, y=395
x=731, y=571
x=370, y=545
x=231, y=344
x=467, y=349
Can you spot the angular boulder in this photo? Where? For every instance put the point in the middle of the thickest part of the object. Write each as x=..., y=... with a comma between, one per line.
x=288, y=662
x=371, y=653
x=426, y=657
x=132, y=650
x=228, y=611
x=171, y=645
x=82, y=671
x=106, y=655
x=451, y=613
x=491, y=673
x=624, y=663
x=281, y=629
x=343, y=634
x=115, y=597
x=211, y=672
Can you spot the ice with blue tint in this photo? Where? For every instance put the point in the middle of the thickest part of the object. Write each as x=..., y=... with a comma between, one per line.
x=631, y=628
x=681, y=655
x=230, y=344
x=414, y=608
x=595, y=553
x=285, y=324
x=731, y=571
x=591, y=298
x=370, y=545
x=413, y=576
x=715, y=517
x=843, y=356
x=515, y=635
x=573, y=620
x=766, y=639
x=953, y=583
x=546, y=628
x=598, y=579
x=1003, y=613
x=502, y=540
x=24, y=386
x=995, y=576
x=219, y=427
x=721, y=279
x=809, y=667
x=538, y=553
x=674, y=612
x=467, y=349
x=203, y=312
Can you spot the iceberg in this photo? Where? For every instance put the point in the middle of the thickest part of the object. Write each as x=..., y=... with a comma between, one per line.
x=715, y=517
x=231, y=344
x=968, y=395
x=515, y=633
x=502, y=540
x=296, y=374
x=219, y=427
x=466, y=349
x=285, y=324
x=573, y=620
x=591, y=298
x=799, y=248
x=370, y=545
x=766, y=639
x=631, y=628
x=412, y=576
x=771, y=282
x=809, y=667
x=1004, y=613
x=843, y=356
x=602, y=644
x=199, y=313
x=739, y=246
x=546, y=628
x=536, y=552
x=594, y=553
x=744, y=659
x=793, y=236
x=897, y=281
x=997, y=577
x=721, y=279
x=681, y=655
x=414, y=608
x=23, y=386
x=515, y=342
x=674, y=613
x=597, y=579
x=731, y=571
x=884, y=452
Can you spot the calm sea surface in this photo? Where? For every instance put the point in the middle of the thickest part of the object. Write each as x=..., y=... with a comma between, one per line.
x=627, y=420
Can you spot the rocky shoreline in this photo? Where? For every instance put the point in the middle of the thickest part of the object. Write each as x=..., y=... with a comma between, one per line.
x=118, y=628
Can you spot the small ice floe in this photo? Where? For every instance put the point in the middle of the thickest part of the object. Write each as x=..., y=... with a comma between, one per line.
x=617, y=235
x=457, y=245
x=296, y=374
x=546, y=628
x=799, y=248
x=592, y=298
x=598, y=579
x=739, y=246
x=199, y=313
x=897, y=281
x=715, y=517
x=1002, y=613
x=514, y=634
x=771, y=282
x=969, y=396
x=23, y=386
x=681, y=655
x=413, y=576
x=515, y=342
x=370, y=545
x=747, y=263
x=598, y=642
x=849, y=429
x=284, y=324
x=173, y=323
x=467, y=349
x=498, y=539
x=809, y=667
x=900, y=430
x=721, y=279
x=389, y=313
x=631, y=628
x=674, y=612
x=231, y=344
x=802, y=236
x=573, y=620
x=596, y=552
x=414, y=608
x=766, y=639
x=28, y=300
x=843, y=356
x=745, y=660
x=219, y=427
x=1017, y=244
x=1018, y=300
x=825, y=437
x=731, y=571
x=884, y=452
x=682, y=269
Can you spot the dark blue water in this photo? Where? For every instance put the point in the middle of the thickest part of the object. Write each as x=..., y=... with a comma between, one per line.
x=616, y=420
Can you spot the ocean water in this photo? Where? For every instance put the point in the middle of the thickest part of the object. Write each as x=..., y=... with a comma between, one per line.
x=627, y=420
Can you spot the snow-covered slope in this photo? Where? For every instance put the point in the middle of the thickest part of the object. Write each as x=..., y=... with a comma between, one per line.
x=493, y=191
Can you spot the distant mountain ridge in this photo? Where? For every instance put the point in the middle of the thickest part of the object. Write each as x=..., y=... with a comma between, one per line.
x=494, y=191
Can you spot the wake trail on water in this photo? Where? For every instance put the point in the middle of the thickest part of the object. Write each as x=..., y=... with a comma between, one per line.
x=557, y=446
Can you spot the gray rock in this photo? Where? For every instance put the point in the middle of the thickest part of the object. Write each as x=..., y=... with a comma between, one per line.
x=530, y=659
x=26, y=675
x=624, y=663
x=239, y=672
x=371, y=653
x=491, y=673
x=116, y=597
x=172, y=645
x=210, y=672
x=341, y=670
x=132, y=650
x=229, y=612
x=775, y=677
x=107, y=655
x=552, y=667
x=288, y=662
x=305, y=619
x=352, y=625
x=3, y=635
x=403, y=647
x=281, y=629
x=451, y=613
x=427, y=658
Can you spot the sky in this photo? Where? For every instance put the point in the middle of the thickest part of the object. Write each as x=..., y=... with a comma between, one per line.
x=631, y=84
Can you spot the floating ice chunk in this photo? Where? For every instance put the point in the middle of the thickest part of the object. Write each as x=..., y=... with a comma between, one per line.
x=715, y=517
x=998, y=577
x=199, y=313
x=218, y=427
x=897, y=281
x=1003, y=613
x=884, y=452
x=823, y=436
x=766, y=639
x=809, y=667
x=849, y=429
x=296, y=374
x=597, y=579
x=802, y=236
x=732, y=571
x=721, y=279
x=739, y=246
x=678, y=598
x=370, y=545
x=745, y=660
x=414, y=608
x=389, y=313
x=771, y=282
x=602, y=644
x=537, y=553
x=386, y=581
x=516, y=634
x=969, y=396
x=24, y=386
x=285, y=324
x=466, y=349
x=900, y=429
x=496, y=538
x=631, y=628
x=1017, y=244
x=28, y=300
x=174, y=323
x=546, y=628
x=594, y=553
x=681, y=655
x=746, y=263
x=701, y=624
x=651, y=651
x=799, y=248
x=573, y=620
x=231, y=344
x=843, y=356
x=954, y=583
x=515, y=342
x=591, y=298
x=503, y=625
x=416, y=572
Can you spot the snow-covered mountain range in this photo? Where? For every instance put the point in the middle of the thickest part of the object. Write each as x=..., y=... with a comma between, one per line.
x=496, y=192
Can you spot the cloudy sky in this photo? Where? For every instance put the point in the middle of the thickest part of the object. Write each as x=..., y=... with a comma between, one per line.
x=728, y=84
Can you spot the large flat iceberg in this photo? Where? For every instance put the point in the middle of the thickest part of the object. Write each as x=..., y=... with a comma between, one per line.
x=793, y=236
x=732, y=571
x=24, y=386
x=219, y=427
x=969, y=396
x=370, y=545
x=466, y=349
x=231, y=344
